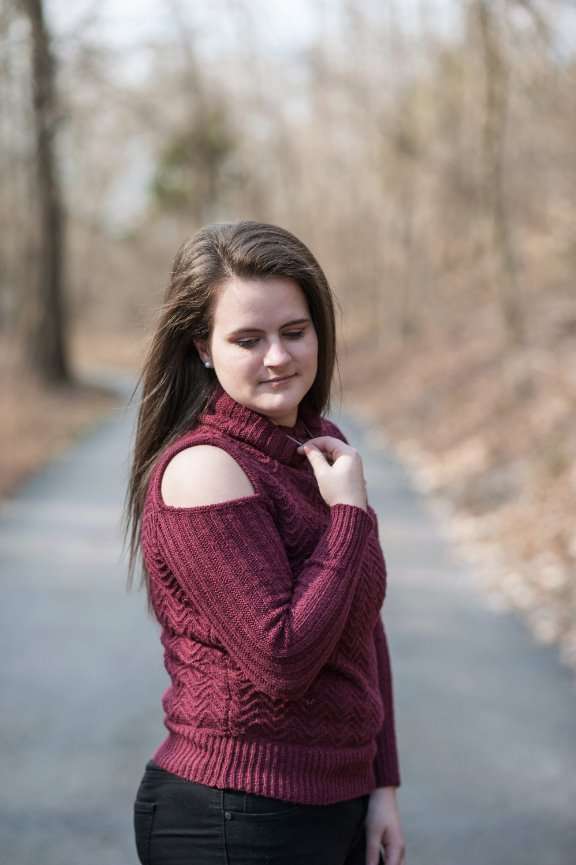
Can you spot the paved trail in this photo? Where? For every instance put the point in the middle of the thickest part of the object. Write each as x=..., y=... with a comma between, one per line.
x=486, y=718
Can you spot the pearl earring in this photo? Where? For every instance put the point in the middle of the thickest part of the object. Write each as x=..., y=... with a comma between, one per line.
x=207, y=363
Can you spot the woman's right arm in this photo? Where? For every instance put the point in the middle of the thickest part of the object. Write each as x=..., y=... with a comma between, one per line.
x=279, y=626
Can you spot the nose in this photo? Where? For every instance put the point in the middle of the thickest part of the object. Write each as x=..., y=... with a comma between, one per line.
x=277, y=354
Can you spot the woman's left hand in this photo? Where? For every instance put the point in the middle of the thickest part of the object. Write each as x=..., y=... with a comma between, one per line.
x=383, y=828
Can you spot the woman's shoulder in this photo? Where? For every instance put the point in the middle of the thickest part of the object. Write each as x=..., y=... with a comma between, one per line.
x=203, y=474
x=202, y=466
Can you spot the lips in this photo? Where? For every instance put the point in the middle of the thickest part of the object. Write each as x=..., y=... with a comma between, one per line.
x=284, y=378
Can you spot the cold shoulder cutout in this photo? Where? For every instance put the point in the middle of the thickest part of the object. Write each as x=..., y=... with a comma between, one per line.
x=203, y=474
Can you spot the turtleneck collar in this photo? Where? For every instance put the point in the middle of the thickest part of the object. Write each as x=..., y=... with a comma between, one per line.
x=244, y=423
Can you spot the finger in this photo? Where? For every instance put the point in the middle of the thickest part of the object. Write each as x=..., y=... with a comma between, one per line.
x=331, y=444
x=314, y=454
x=394, y=853
x=372, y=849
x=329, y=449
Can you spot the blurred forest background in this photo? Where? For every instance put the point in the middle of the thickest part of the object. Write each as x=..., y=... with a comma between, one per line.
x=425, y=151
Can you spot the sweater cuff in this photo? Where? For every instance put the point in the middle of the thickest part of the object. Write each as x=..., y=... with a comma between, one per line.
x=349, y=528
x=386, y=769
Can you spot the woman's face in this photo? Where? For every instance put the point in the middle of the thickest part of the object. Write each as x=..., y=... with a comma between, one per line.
x=262, y=330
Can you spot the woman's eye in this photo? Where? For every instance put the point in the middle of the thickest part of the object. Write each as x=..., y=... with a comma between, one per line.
x=248, y=343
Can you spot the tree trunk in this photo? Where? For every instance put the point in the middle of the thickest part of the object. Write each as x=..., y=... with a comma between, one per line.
x=46, y=319
x=495, y=120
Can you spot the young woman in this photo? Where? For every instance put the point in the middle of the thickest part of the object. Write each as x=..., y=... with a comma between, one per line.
x=263, y=567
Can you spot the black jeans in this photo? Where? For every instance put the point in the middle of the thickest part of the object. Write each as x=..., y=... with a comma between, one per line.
x=180, y=822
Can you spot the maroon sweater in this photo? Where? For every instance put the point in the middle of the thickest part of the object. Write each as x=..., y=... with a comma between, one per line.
x=270, y=611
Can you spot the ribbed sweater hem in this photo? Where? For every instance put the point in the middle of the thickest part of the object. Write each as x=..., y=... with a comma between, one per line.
x=294, y=773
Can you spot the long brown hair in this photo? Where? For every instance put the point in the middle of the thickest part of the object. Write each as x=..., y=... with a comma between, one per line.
x=176, y=386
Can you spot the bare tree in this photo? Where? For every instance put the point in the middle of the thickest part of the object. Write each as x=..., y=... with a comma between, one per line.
x=496, y=73
x=45, y=318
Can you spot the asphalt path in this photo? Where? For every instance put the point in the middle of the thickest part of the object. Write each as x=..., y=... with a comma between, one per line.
x=486, y=717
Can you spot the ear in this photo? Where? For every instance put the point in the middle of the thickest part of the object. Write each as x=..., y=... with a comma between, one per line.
x=200, y=345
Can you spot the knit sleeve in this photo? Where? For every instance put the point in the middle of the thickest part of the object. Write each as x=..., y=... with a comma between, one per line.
x=279, y=626
x=386, y=768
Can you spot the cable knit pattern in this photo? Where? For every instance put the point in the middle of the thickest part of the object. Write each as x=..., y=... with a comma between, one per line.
x=270, y=612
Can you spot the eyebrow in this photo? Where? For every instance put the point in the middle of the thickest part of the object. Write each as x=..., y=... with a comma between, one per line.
x=240, y=330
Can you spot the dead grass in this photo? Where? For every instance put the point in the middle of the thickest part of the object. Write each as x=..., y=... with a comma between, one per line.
x=488, y=433
x=38, y=424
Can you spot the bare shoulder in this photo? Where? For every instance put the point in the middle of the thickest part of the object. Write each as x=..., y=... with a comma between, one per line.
x=203, y=475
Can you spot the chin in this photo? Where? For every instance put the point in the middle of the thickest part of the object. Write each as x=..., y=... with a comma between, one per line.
x=280, y=402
